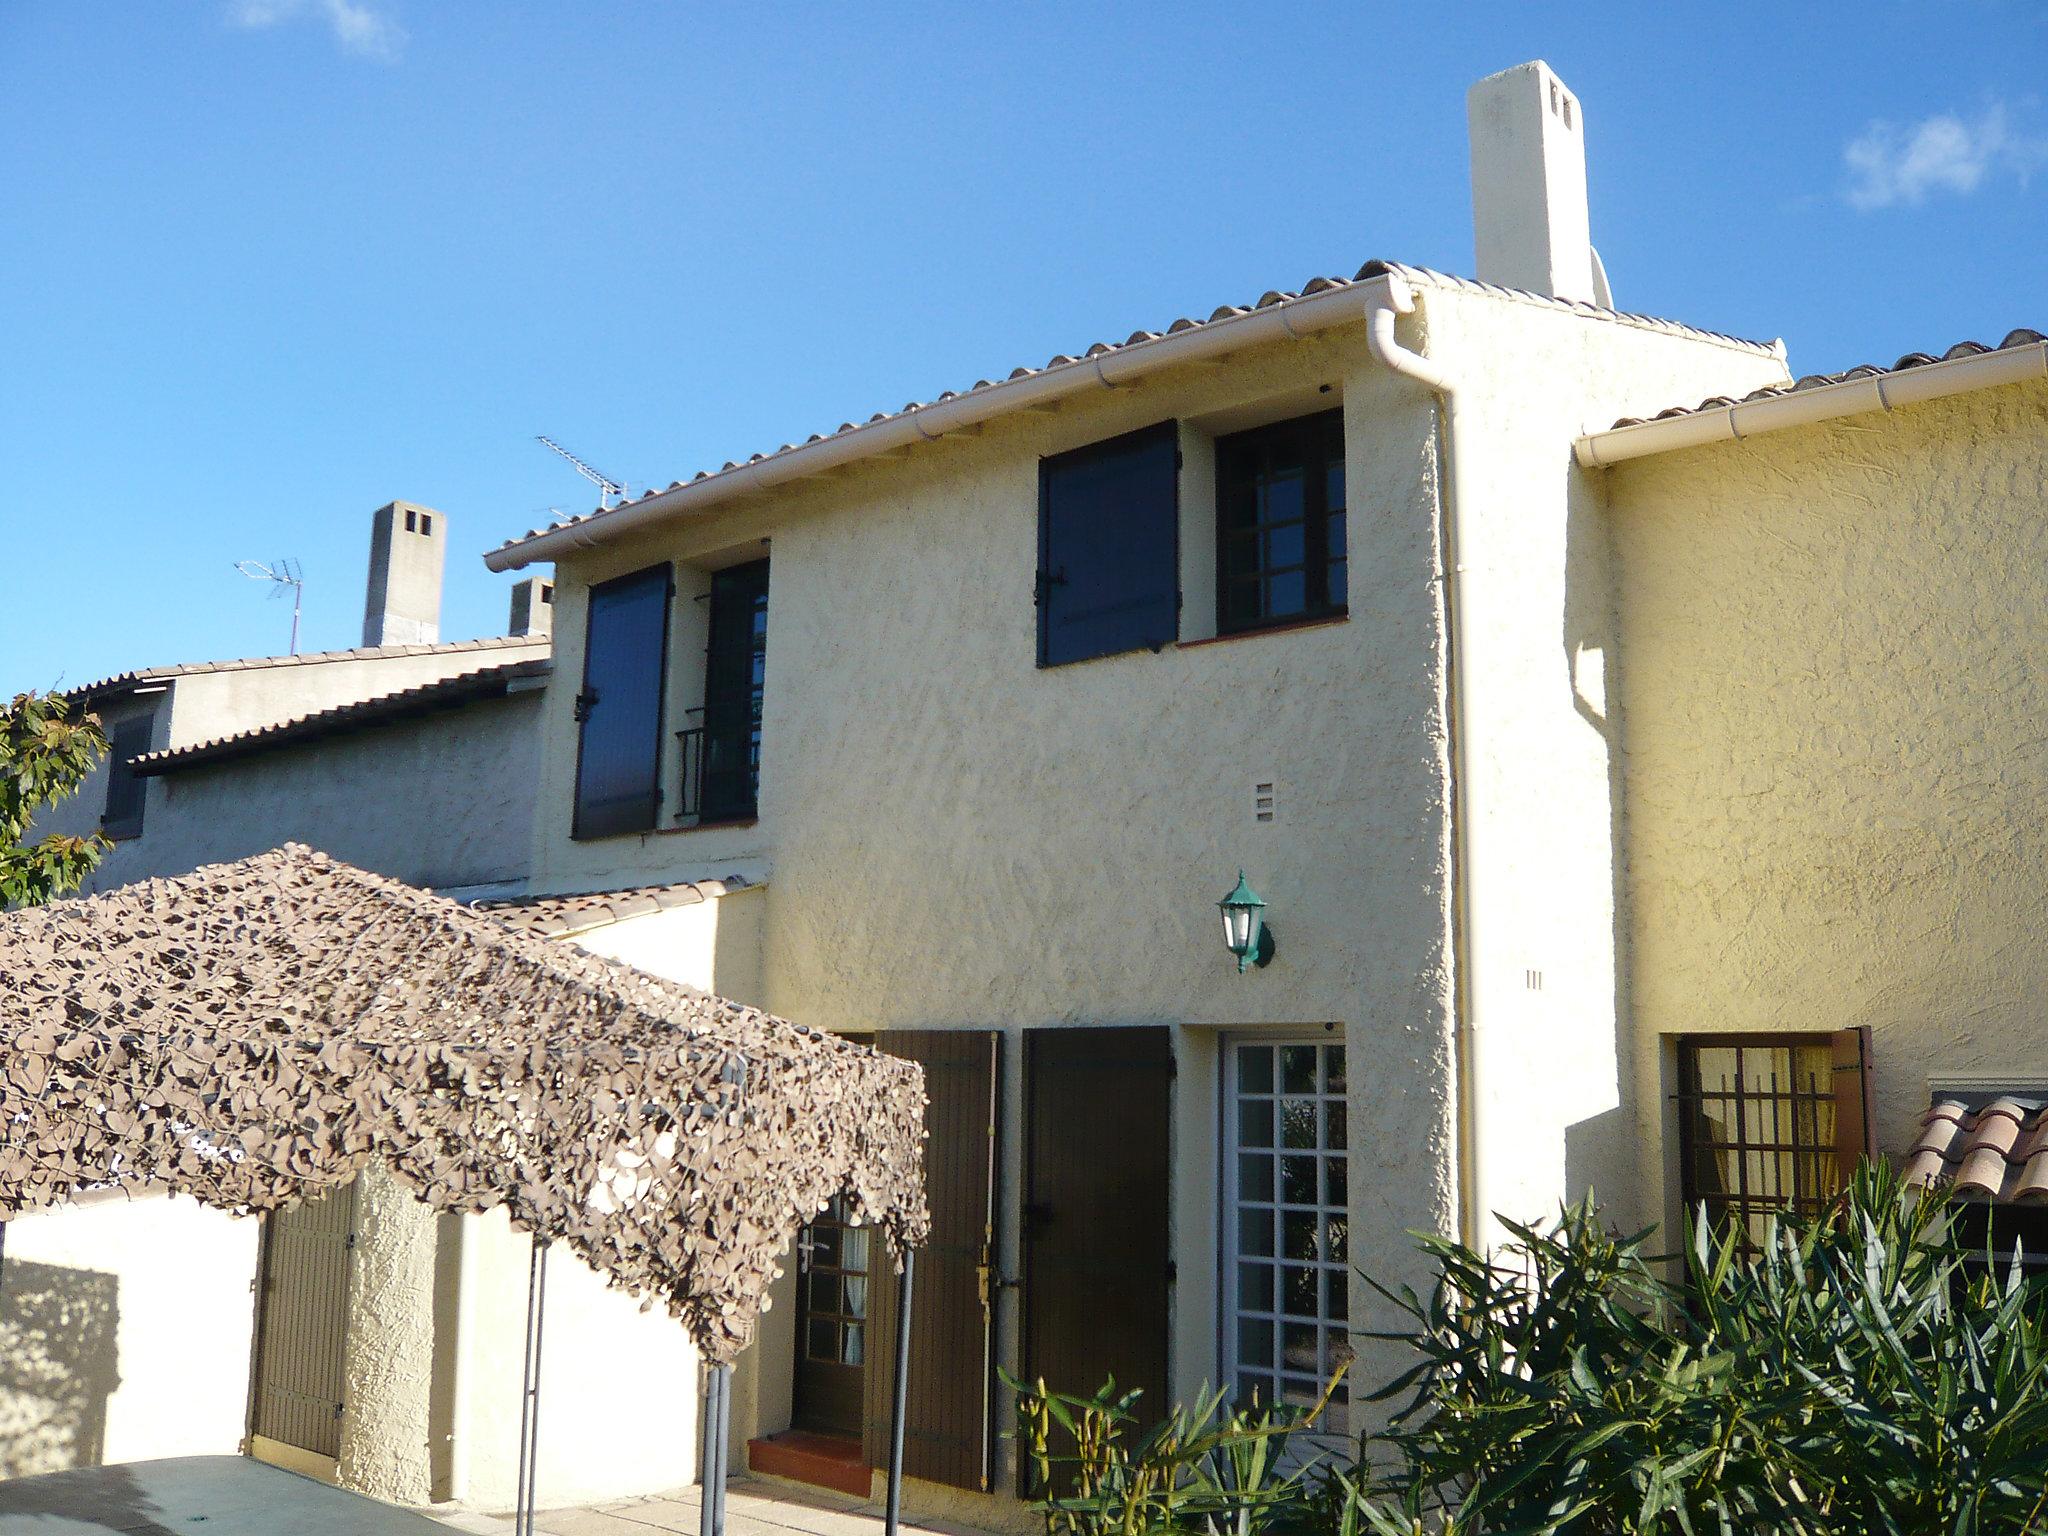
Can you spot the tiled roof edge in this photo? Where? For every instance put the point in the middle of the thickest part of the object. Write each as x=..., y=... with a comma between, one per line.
x=563, y=916
x=445, y=693
x=2021, y=337
x=310, y=658
x=1092, y=357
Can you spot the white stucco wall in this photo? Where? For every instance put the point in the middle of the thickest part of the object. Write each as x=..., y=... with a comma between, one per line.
x=126, y=1329
x=1836, y=782
x=960, y=838
x=1542, y=841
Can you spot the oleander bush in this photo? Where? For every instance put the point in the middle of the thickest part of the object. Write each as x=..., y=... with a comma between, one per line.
x=1860, y=1375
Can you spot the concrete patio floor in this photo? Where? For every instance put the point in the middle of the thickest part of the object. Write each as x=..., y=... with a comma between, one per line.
x=190, y=1495
x=752, y=1508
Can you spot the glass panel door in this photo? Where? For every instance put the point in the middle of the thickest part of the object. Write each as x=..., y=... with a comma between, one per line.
x=832, y=1318
x=1286, y=1230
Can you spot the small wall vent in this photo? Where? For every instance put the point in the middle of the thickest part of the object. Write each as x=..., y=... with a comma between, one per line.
x=1265, y=802
x=1533, y=980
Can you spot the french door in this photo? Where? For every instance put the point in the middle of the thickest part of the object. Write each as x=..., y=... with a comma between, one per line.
x=1286, y=1230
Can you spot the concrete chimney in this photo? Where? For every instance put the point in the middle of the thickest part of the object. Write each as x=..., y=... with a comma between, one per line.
x=403, y=605
x=533, y=607
x=1529, y=183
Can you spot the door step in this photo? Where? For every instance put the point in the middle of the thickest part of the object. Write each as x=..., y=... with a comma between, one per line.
x=823, y=1461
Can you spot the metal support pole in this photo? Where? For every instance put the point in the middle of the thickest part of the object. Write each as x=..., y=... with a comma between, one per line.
x=711, y=1460
x=899, y=1407
x=529, y=1390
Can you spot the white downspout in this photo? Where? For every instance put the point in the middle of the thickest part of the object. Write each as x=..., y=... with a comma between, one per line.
x=1390, y=299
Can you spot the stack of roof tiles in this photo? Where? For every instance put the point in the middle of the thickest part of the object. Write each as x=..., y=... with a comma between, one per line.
x=1999, y=1152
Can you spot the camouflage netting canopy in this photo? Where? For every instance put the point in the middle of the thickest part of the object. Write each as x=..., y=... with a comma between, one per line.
x=255, y=1033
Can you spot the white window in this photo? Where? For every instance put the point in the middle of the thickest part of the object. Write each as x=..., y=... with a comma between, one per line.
x=1287, y=1262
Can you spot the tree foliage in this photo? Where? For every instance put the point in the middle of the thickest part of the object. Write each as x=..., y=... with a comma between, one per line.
x=47, y=747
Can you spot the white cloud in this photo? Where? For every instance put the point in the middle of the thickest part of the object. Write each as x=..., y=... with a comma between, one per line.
x=1891, y=164
x=358, y=27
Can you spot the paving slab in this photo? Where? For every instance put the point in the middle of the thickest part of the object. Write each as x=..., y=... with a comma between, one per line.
x=196, y=1496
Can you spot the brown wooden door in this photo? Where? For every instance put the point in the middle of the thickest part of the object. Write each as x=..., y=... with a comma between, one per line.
x=949, y=1433
x=302, y=1324
x=833, y=1332
x=1097, y=1268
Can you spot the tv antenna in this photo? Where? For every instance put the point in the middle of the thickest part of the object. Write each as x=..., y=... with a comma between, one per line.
x=607, y=487
x=281, y=574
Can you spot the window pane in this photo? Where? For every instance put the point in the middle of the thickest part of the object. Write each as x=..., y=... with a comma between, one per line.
x=851, y=1349
x=1336, y=1295
x=1333, y=484
x=1286, y=594
x=1109, y=532
x=1255, y=1123
x=1255, y=1176
x=1340, y=584
x=1298, y=1069
x=1255, y=1287
x=823, y=1342
x=1335, y=1126
x=1335, y=534
x=1254, y=1069
x=1300, y=1350
x=854, y=1244
x=855, y=1290
x=824, y=1292
x=1333, y=1069
x=1298, y=1180
x=1298, y=1123
x=1286, y=545
x=1298, y=1234
x=1298, y=1289
x=1255, y=1233
x=1254, y=1341
x=1283, y=497
x=1336, y=1186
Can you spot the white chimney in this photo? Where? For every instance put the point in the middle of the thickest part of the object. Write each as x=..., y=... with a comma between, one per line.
x=533, y=607
x=403, y=604
x=1529, y=184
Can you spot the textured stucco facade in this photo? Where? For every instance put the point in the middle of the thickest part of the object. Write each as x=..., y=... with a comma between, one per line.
x=1834, y=769
x=955, y=837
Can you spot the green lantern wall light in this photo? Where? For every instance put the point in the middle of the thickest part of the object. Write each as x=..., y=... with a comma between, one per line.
x=1245, y=933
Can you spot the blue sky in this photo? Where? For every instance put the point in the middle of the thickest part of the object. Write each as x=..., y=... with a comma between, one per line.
x=266, y=264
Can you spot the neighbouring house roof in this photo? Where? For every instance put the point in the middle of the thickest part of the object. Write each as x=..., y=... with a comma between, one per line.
x=141, y=675
x=2018, y=338
x=254, y=1033
x=1998, y=1152
x=1913, y=380
x=1129, y=357
x=559, y=917
x=493, y=682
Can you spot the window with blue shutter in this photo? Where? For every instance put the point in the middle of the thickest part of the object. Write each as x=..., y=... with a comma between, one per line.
x=619, y=710
x=1109, y=547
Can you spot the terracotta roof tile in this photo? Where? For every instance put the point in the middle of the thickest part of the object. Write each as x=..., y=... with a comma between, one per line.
x=2018, y=338
x=560, y=916
x=1422, y=276
x=447, y=693
x=1996, y=1152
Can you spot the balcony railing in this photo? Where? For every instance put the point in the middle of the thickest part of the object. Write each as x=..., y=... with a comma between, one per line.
x=717, y=775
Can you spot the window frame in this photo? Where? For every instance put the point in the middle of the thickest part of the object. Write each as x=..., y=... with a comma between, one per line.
x=666, y=571
x=1323, y=431
x=1335, y=1333
x=1161, y=433
x=1850, y=1134
x=722, y=580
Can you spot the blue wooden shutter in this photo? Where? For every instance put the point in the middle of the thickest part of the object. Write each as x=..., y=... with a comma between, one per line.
x=619, y=710
x=1109, y=547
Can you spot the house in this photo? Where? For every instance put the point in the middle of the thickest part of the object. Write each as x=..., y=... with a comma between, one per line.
x=997, y=695
x=1642, y=792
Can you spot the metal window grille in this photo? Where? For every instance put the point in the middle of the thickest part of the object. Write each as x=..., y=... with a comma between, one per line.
x=1757, y=1129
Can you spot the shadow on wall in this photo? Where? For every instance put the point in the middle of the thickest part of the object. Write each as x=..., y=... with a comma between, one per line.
x=58, y=1365
x=1598, y=1150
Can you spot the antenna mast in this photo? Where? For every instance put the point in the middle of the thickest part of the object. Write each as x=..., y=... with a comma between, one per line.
x=283, y=574
x=607, y=487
